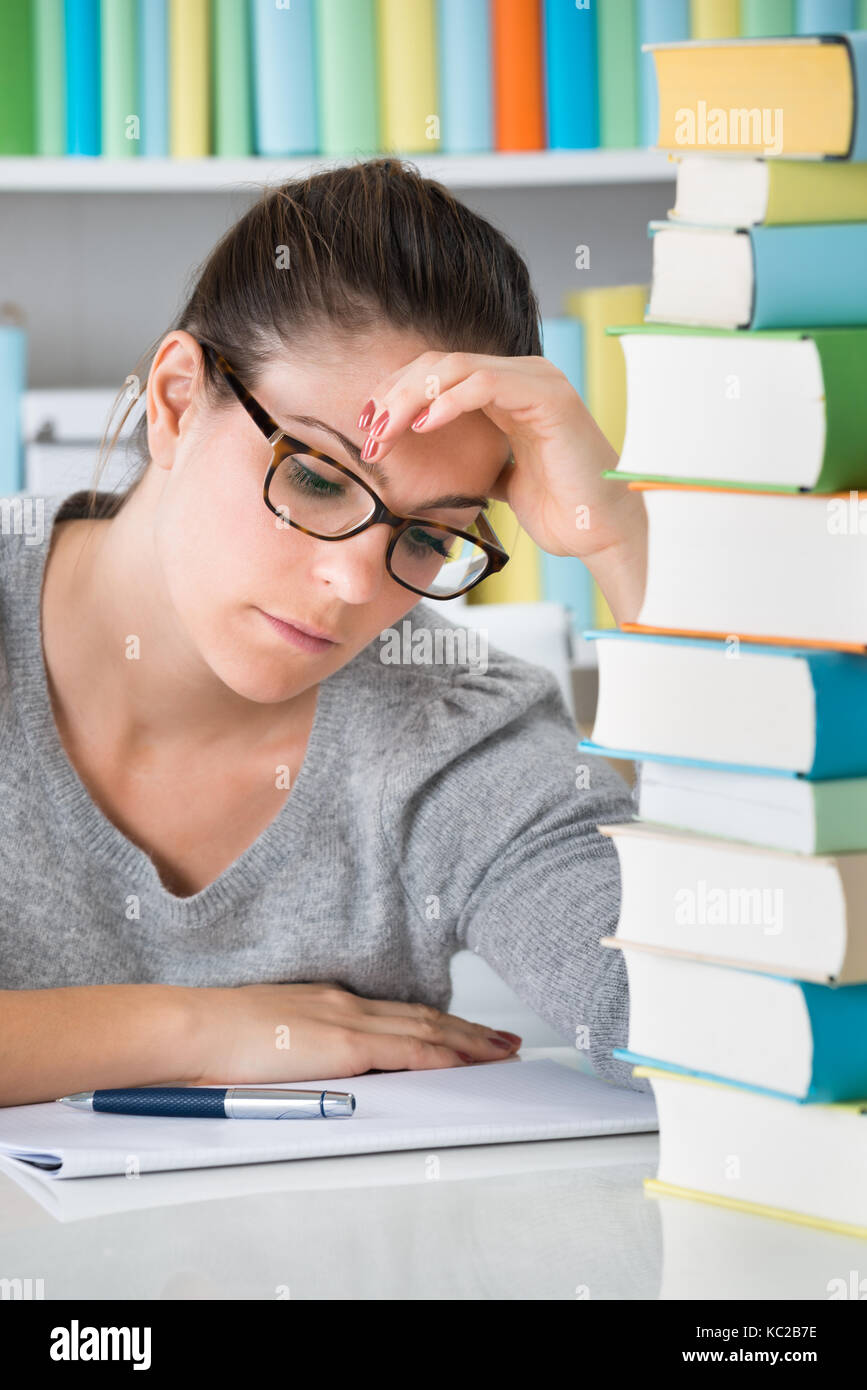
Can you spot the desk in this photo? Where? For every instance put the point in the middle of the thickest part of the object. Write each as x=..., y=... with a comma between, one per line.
x=558, y=1219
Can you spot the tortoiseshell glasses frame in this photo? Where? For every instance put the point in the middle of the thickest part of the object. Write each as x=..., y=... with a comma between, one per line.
x=284, y=445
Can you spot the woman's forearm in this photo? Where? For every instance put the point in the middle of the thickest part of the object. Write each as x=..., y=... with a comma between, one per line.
x=620, y=567
x=54, y=1042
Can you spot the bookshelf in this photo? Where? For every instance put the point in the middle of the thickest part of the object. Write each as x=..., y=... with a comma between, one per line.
x=534, y=169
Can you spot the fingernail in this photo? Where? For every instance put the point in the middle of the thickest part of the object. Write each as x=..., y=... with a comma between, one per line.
x=420, y=419
x=370, y=448
x=501, y=1042
x=465, y=1057
x=512, y=1037
x=380, y=424
x=366, y=415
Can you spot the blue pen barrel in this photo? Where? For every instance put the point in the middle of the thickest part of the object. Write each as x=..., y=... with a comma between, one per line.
x=196, y=1102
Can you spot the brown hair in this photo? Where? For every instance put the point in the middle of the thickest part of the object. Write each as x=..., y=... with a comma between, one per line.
x=347, y=249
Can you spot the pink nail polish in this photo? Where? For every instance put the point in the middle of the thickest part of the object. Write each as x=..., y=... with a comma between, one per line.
x=380, y=424
x=370, y=448
x=366, y=415
x=465, y=1057
x=420, y=419
x=501, y=1042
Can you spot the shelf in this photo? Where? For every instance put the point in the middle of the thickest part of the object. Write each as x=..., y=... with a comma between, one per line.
x=535, y=169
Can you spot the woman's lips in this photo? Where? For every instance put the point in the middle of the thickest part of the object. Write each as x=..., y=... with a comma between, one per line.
x=299, y=637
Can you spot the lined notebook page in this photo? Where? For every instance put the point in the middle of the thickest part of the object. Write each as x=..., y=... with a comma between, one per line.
x=502, y=1102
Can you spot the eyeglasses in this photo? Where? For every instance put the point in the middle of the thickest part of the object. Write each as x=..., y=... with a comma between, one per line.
x=325, y=499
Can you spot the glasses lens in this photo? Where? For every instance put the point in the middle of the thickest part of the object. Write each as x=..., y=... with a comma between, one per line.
x=317, y=496
x=437, y=561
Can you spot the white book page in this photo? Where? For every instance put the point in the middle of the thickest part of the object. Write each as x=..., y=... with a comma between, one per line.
x=499, y=1102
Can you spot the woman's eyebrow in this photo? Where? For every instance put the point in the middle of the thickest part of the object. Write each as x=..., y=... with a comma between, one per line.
x=373, y=469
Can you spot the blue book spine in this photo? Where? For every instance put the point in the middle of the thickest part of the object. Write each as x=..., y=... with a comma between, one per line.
x=838, y=1018
x=857, y=44
x=809, y=275
x=83, y=93
x=824, y=16
x=566, y=579
x=283, y=71
x=464, y=74
x=840, y=696
x=659, y=21
x=571, y=75
x=13, y=379
x=153, y=76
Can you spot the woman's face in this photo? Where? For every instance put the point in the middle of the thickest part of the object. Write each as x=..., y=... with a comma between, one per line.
x=230, y=565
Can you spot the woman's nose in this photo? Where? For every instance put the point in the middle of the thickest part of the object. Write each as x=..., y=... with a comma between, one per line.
x=354, y=567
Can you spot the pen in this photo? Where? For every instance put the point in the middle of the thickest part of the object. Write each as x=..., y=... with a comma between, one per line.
x=217, y=1102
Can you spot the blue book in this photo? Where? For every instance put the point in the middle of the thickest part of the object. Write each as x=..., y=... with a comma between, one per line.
x=153, y=76
x=839, y=699
x=571, y=75
x=283, y=74
x=566, y=579
x=801, y=275
x=659, y=21
x=820, y=1059
x=13, y=380
x=464, y=76
x=83, y=92
x=824, y=16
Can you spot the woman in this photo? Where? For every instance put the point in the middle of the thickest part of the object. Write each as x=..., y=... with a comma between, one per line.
x=238, y=844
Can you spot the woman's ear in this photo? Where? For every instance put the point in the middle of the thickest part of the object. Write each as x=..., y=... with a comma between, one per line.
x=173, y=380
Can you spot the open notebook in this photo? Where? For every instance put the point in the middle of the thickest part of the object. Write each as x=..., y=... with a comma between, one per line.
x=501, y=1102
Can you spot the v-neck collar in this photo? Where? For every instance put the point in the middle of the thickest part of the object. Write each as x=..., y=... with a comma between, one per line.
x=78, y=815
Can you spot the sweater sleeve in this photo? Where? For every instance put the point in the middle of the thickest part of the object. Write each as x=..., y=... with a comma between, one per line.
x=498, y=827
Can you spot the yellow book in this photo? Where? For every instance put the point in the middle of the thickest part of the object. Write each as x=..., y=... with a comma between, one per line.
x=520, y=581
x=765, y=1133
x=714, y=19
x=605, y=372
x=756, y=192
x=803, y=92
x=189, y=78
x=408, y=100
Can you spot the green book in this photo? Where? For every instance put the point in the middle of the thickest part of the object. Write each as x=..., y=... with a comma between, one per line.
x=232, y=79
x=17, y=97
x=50, y=76
x=767, y=18
x=346, y=77
x=831, y=460
x=121, y=117
x=617, y=58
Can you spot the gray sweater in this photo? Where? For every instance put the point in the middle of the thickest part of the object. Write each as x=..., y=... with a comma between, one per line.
x=436, y=809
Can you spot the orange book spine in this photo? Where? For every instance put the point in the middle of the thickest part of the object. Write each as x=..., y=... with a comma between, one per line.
x=519, y=116
x=753, y=637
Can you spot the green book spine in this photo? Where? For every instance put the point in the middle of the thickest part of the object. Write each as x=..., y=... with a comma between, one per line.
x=49, y=72
x=766, y=18
x=840, y=814
x=17, y=104
x=121, y=118
x=618, y=55
x=232, y=78
x=346, y=63
x=861, y=15
x=843, y=355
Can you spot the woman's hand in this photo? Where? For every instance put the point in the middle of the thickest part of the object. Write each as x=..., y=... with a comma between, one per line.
x=553, y=481
x=260, y=1033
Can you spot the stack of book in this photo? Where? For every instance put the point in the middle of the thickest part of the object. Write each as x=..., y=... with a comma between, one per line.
x=742, y=685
